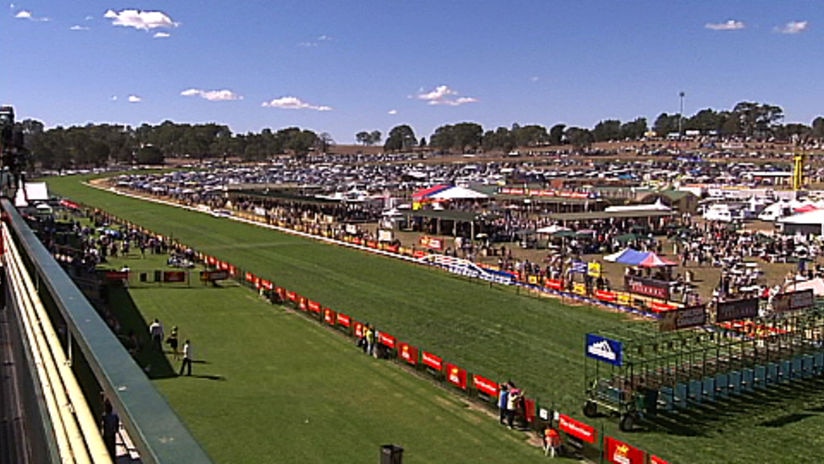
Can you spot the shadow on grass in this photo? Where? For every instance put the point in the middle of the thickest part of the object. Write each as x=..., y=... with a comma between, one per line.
x=121, y=304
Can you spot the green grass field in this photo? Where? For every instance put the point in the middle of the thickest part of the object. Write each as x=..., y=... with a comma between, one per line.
x=538, y=343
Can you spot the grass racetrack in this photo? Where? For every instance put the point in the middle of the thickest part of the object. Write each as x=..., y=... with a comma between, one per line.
x=538, y=343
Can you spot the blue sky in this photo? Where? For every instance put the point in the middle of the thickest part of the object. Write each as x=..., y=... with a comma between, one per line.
x=342, y=66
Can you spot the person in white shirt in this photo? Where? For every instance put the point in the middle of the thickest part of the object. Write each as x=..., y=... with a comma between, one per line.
x=156, y=332
x=187, y=358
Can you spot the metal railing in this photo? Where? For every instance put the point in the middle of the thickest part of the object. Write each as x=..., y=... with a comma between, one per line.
x=157, y=432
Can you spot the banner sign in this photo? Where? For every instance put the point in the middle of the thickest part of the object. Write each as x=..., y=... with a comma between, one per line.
x=576, y=429
x=359, y=329
x=174, y=276
x=485, y=386
x=267, y=284
x=579, y=288
x=329, y=316
x=736, y=309
x=117, y=275
x=250, y=277
x=653, y=459
x=618, y=452
x=456, y=376
x=683, y=318
x=647, y=287
x=579, y=267
x=213, y=276
x=386, y=340
x=430, y=360
x=314, y=306
x=793, y=301
x=385, y=236
x=603, y=295
x=344, y=320
x=604, y=349
x=302, y=303
x=594, y=269
x=433, y=243
x=408, y=353
x=543, y=193
x=291, y=296
x=554, y=284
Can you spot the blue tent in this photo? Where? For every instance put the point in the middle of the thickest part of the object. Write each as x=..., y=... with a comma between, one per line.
x=627, y=256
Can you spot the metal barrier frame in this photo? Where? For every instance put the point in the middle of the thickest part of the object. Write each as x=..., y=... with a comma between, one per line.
x=156, y=430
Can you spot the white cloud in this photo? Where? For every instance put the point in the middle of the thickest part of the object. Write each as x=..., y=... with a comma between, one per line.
x=78, y=28
x=142, y=20
x=161, y=35
x=88, y=18
x=307, y=44
x=294, y=103
x=793, y=27
x=113, y=98
x=728, y=25
x=534, y=79
x=212, y=95
x=26, y=14
x=443, y=95
x=324, y=38
x=392, y=112
x=134, y=99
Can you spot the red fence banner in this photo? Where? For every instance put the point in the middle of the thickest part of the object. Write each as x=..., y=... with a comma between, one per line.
x=433, y=243
x=314, y=306
x=250, y=277
x=281, y=293
x=291, y=296
x=329, y=316
x=386, y=340
x=484, y=385
x=604, y=295
x=256, y=281
x=267, y=284
x=418, y=254
x=576, y=429
x=302, y=303
x=232, y=270
x=344, y=320
x=372, y=244
x=408, y=353
x=430, y=360
x=529, y=409
x=174, y=276
x=117, y=275
x=618, y=452
x=456, y=376
x=224, y=266
x=555, y=284
x=653, y=459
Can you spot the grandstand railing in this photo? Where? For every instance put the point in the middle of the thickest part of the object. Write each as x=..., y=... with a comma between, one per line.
x=157, y=432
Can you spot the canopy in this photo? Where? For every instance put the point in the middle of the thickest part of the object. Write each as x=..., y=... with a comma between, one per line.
x=552, y=229
x=429, y=191
x=457, y=193
x=817, y=285
x=632, y=257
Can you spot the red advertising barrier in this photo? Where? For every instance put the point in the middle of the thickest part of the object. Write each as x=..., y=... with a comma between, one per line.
x=174, y=276
x=357, y=241
x=344, y=320
x=256, y=281
x=554, y=284
x=657, y=307
x=302, y=303
x=386, y=340
x=359, y=329
x=314, y=306
x=529, y=409
x=250, y=277
x=456, y=376
x=418, y=254
x=223, y=266
x=329, y=316
x=433, y=243
x=653, y=459
x=267, y=284
x=232, y=270
x=604, y=295
x=430, y=360
x=372, y=244
x=291, y=296
x=577, y=429
x=618, y=452
x=408, y=353
x=117, y=275
x=484, y=385
x=281, y=293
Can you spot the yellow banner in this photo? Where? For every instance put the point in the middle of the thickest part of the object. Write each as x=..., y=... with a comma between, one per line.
x=594, y=269
x=579, y=288
x=623, y=299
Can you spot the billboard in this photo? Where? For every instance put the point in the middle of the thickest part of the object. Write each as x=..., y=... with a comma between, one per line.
x=618, y=452
x=647, y=287
x=432, y=361
x=484, y=385
x=174, y=276
x=408, y=353
x=682, y=318
x=604, y=349
x=736, y=309
x=386, y=340
x=579, y=430
x=344, y=320
x=794, y=301
x=456, y=376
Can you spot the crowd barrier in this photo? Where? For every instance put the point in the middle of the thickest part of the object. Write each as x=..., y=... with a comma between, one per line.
x=579, y=439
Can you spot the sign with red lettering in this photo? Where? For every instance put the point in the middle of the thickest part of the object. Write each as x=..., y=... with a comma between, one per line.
x=433, y=243
x=554, y=284
x=329, y=316
x=618, y=452
x=456, y=376
x=359, y=329
x=344, y=320
x=386, y=340
x=212, y=276
x=576, y=429
x=430, y=360
x=314, y=306
x=408, y=353
x=291, y=296
x=607, y=296
x=267, y=284
x=653, y=459
x=484, y=385
x=418, y=254
x=250, y=277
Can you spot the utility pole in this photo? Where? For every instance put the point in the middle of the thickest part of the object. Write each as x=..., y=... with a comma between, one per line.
x=681, y=115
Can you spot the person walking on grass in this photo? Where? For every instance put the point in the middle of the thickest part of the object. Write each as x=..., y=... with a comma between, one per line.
x=156, y=332
x=172, y=341
x=187, y=358
x=503, y=396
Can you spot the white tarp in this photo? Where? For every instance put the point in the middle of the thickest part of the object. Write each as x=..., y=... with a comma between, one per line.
x=458, y=193
x=817, y=286
x=657, y=206
x=34, y=192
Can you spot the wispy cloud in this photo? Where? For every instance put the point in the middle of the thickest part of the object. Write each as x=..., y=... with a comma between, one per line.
x=793, y=27
x=113, y=98
x=212, y=95
x=161, y=35
x=443, y=95
x=534, y=79
x=135, y=99
x=316, y=42
x=78, y=28
x=392, y=112
x=294, y=103
x=142, y=20
x=26, y=14
x=728, y=25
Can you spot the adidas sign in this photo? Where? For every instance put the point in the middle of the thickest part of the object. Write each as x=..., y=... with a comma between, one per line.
x=602, y=350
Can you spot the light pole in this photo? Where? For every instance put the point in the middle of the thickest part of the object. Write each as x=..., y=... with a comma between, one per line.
x=681, y=114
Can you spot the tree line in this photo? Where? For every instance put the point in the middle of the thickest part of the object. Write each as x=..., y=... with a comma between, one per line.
x=95, y=145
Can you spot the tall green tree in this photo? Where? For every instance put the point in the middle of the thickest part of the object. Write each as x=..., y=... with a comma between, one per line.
x=400, y=138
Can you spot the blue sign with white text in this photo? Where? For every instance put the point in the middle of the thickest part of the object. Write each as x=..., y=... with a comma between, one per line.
x=604, y=349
